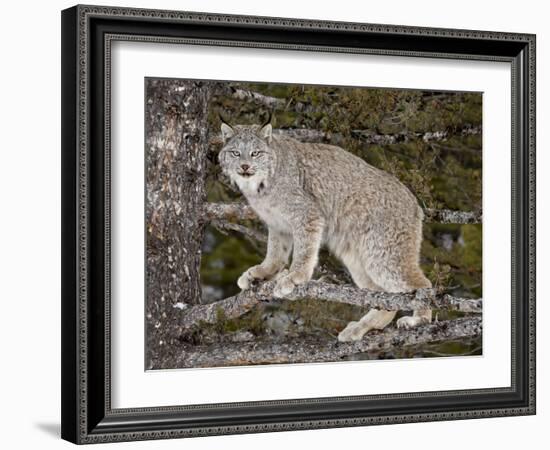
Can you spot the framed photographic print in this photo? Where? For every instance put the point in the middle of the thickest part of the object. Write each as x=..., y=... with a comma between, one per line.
x=281, y=224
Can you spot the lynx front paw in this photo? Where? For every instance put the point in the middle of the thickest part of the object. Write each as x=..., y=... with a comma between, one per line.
x=408, y=322
x=248, y=277
x=284, y=285
x=244, y=281
x=352, y=332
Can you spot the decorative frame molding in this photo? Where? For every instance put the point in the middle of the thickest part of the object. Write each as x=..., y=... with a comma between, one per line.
x=87, y=34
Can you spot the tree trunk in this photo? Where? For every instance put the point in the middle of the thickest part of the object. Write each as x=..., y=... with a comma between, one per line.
x=176, y=143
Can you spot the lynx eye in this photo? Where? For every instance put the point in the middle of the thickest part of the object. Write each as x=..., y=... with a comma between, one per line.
x=235, y=154
x=255, y=153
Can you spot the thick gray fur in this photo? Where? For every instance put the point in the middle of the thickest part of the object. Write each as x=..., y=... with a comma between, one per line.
x=317, y=194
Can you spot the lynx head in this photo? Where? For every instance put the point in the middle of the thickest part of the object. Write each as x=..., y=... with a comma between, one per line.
x=246, y=156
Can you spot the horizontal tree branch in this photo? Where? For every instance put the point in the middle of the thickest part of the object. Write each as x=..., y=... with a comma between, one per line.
x=273, y=103
x=369, y=137
x=247, y=232
x=241, y=211
x=229, y=211
x=243, y=302
x=451, y=216
x=256, y=97
x=366, y=136
x=308, y=350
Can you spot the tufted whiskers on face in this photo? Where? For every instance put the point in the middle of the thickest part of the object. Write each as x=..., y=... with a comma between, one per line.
x=250, y=185
x=245, y=171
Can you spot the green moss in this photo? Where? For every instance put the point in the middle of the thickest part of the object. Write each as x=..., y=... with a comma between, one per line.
x=459, y=267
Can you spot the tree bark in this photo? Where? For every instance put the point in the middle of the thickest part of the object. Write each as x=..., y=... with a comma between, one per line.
x=305, y=351
x=450, y=216
x=233, y=212
x=176, y=143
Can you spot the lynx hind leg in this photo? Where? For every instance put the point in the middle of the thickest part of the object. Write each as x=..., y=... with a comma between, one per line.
x=374, y=320
x=419, y=317
x=422, y=316
x=358, y=273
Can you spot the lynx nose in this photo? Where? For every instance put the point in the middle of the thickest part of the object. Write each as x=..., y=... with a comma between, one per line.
x=245, y=167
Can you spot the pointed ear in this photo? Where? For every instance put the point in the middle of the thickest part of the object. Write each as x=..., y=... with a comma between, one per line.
x=227, y=132
x=267, y=132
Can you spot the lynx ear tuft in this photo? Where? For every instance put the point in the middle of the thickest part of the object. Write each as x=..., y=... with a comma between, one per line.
x=267, y=132
x=227, y=132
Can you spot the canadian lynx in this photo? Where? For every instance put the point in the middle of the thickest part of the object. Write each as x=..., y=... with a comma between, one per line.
x=317, y=194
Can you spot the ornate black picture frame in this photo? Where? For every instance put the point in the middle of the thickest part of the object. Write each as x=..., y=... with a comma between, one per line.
x=87, y=34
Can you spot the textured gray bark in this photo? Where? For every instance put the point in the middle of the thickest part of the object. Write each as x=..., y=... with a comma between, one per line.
x=450, y=216
x=244, y=301
x=229, y=211
x=241, y=211
x=176, y=143
x=305, y=351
